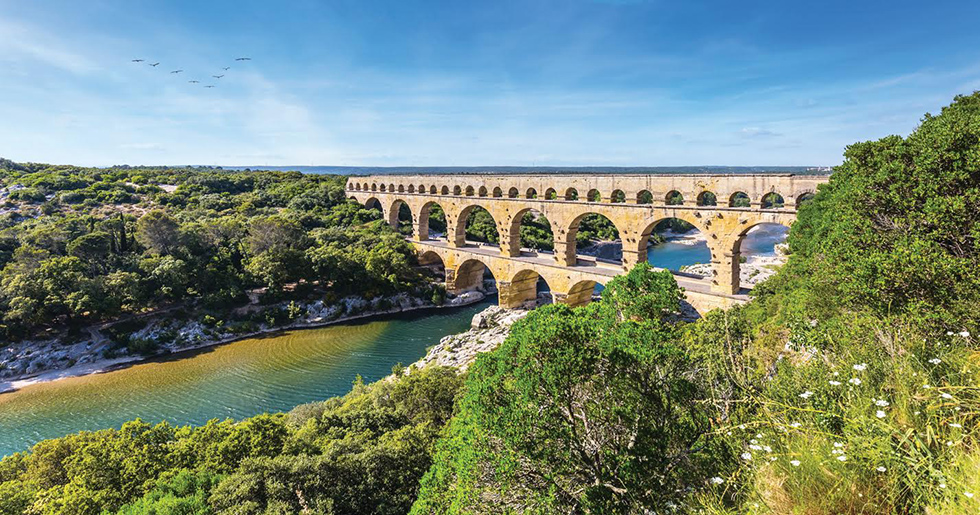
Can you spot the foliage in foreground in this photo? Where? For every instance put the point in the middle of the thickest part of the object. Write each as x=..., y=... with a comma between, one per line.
x=361, y=453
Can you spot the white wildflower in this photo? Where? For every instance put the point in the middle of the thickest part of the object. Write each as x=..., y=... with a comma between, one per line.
x=747, y=456
x=758, y=435
x=795, y=424
x=795, y=463
x=855, y=381
x=755, y=447
x=926, y=386
x=949, y=333
x=838, y=444
x=835, y=383
x=806, y=395
x=945, y=395
x=842, y=458
x=969, y=495
x=767, y=448
x=881, y=469
x=880, y=414
x=942, y=485
x=935, y=361
x=881, y=402
x=860, y=367
x=717, y=480
x=965, y=334
x=955, y=425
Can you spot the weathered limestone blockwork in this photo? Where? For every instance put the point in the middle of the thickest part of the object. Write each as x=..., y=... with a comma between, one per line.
x=508, y=197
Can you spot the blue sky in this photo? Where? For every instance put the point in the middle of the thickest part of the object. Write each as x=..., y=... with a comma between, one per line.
x=563, y=83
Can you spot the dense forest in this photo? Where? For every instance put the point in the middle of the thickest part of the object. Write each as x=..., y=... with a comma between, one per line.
x=850, y=384
x=82, y=245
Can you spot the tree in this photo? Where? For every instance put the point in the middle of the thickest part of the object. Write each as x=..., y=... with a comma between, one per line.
x=585, y=410
x=158, y=232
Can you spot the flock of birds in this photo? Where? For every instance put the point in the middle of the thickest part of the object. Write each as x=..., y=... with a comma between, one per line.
x=175, y=72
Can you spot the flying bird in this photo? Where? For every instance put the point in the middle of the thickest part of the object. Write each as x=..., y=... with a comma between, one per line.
x=154, y=64
x=138, y=60
x=217, y=76
x=209, y=86
x=226, y=68
x=193, y=81
x=244, y=59
x=176, y=71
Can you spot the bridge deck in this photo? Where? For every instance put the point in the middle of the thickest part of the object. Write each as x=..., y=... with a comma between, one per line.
x=587, y=265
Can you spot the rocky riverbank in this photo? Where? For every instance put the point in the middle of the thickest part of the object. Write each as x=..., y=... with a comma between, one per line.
x=37, y=361
x=488, y=330
x=754, y=270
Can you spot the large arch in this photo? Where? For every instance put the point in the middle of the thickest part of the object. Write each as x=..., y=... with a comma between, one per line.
x=644, y=197
x=520, y=289
x=399, y=216
x=674, y=198
x=550, y=194
x=756, y=253
x=772, y=200
x=676, y=244
x=487, y=232
x=374, y=203
x=739, y=199
x=707, y=198
x=431, y=218
x=598, y=225
x=470, y=275
x=433, y=264
x=571, y=194
x=580, y=293
x=528, y=228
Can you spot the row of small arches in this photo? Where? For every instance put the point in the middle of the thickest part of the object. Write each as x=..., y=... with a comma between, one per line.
x=771, y=200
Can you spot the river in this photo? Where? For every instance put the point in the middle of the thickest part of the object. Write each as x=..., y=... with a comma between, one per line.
x=271, y=373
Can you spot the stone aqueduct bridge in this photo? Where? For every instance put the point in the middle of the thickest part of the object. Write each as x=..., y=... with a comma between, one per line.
x=635, y=204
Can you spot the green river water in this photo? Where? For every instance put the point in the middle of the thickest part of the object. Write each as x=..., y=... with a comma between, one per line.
x=269, y=373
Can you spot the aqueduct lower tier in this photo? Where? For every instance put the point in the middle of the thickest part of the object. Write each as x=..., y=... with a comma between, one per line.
x=723, y=207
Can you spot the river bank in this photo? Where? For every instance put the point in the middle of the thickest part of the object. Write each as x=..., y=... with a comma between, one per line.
x=488, y=329
x=40, y=361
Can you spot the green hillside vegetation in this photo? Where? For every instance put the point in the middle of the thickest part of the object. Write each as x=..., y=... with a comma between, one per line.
x=849, y=385
x=87, y=245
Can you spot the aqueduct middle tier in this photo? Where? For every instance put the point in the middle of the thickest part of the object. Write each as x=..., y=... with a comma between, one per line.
x=723, y=207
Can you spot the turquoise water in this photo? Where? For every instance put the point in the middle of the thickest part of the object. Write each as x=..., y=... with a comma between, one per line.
x=271, y=373
x=672, y=255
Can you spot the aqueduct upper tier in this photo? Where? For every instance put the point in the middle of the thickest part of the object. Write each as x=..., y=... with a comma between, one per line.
x=723, y=207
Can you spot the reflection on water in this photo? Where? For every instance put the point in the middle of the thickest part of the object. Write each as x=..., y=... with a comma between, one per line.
x=240, y=379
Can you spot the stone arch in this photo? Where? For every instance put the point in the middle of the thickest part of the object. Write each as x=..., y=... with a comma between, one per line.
x=593, y=196
x=463, y=218
x=550, y=194
x=580, y=293
x=401, y=188
x=374, y=203
x=423, y=222
x=497, y=192
x=699, y=240
x=674, y=198
x=513, y=193
x=806, y=196
x=772, y=200
x=482, y=191
x=457, y=190
x=350, y=187
x=383, y=187
x=421, y=188
x=392, y=215
x=445, y=190
x=644, y=197
x=570, y=233
x=707, y=198
x=391, y=187
x=470, y=191
x=520, y=288
x=469, y=276
x=432, y=189
x=739, y=199
x=432, y=262
x=411, y=188
x=374, y=187
x=531, y=193
x=736, y=250
x=618, y=197
x=512, y=244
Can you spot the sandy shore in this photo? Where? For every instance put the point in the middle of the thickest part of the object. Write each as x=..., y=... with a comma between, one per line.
x=110, y=364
